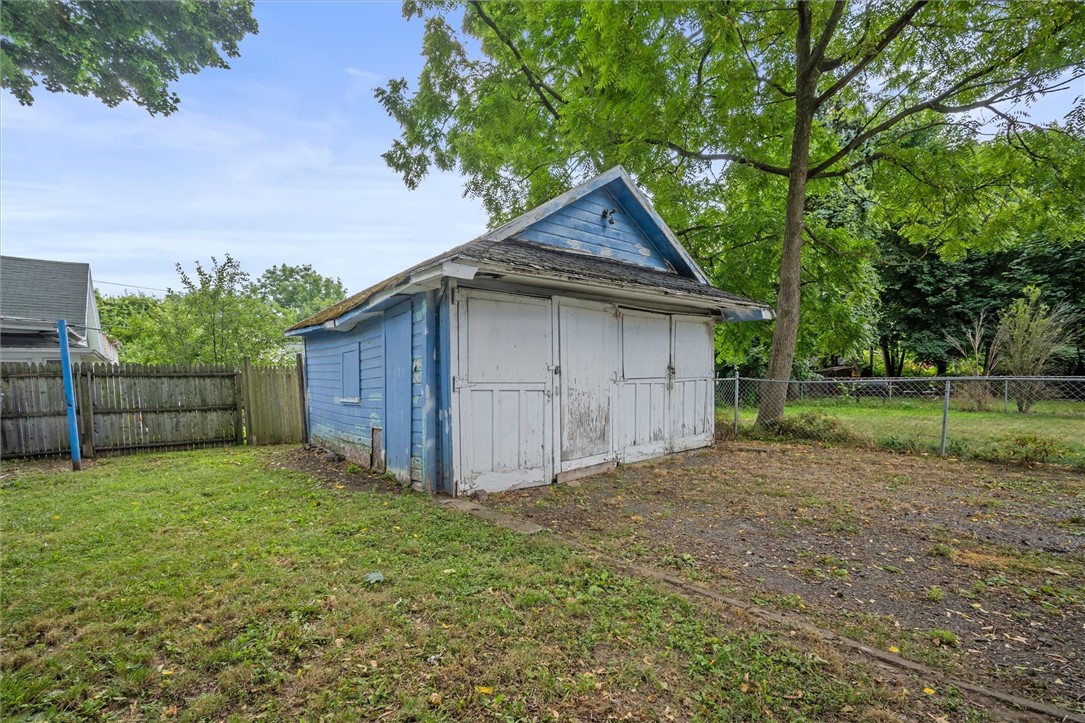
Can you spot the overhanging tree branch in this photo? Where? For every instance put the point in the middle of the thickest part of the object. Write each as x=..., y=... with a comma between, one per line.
x=731, y=157
x=541, y=88
x=936, y=104
x=818, y=54
x=888, y=36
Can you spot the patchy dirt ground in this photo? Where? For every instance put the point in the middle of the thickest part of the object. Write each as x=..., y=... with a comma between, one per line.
x=972, y=567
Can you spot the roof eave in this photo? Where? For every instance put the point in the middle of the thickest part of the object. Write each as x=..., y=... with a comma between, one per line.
x=730, y=309
x=423, y=279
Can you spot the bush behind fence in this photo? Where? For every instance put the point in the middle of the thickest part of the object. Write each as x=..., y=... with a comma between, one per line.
x=1004, y=418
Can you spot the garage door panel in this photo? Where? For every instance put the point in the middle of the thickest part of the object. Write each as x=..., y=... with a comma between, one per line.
x=505, y=394
x=589, y=348
x=646, y=347
x=506, y=343
x=646, y=358
x=693, y=348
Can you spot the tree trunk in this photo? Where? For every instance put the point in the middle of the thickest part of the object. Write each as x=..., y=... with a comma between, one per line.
x=786, y=332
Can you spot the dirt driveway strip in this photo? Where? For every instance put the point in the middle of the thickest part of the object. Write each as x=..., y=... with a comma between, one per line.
x=973, y=568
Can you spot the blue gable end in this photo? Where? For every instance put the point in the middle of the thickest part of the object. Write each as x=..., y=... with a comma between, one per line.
x=580, y=226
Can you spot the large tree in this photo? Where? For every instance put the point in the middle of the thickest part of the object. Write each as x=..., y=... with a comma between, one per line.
x=117, y=51
x=300, y=291
x=766, y=104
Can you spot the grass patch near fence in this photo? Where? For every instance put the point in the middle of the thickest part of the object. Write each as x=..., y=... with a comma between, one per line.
x=212, y=584
x=1052, y=432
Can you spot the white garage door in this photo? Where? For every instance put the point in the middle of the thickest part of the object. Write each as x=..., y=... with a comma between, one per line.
x=588, y=345
x=692, y=393
x=643, y=414
x=505, y=389
x=627, y=385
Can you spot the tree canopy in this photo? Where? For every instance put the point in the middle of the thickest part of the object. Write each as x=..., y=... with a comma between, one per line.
x=760, y=129
x=300, y=291
x=216, y=317
x=117, y=51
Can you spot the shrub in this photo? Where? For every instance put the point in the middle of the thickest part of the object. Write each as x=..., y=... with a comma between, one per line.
x=813, y=426
x=1028, y=448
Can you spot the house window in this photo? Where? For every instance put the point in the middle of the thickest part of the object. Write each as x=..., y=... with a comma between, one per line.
x=350, y=378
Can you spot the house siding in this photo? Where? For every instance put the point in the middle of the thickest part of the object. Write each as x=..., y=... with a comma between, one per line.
x=343, y=426
x=580, y=226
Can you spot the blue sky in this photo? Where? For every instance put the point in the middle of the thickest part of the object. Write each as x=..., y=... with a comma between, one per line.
x=276, y=160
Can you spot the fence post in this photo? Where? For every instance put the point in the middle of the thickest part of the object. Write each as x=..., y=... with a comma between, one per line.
x=1006, y=397
x=86, y=407
x=69, y=394
x=945, y=417
x=246, y=385
x=738, y=381
x=300, y=360
x=239, y=415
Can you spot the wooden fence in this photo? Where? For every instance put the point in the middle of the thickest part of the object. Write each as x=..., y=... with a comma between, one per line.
x=127, y=408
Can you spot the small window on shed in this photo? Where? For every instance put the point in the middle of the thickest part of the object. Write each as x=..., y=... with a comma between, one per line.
x=350, y=376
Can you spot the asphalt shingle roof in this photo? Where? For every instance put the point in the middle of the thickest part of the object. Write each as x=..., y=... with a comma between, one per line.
x=46, y=290
x=543, y=261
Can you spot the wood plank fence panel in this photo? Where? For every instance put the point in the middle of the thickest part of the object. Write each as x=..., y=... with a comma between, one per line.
x=125, y=408
x=121, y=408
x=275, y=415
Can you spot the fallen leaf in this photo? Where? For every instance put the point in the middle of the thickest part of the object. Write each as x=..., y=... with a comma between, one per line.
x=199, y=626
x=339, y=642
x=929, y=691
x=894, y=649
x=797, y=696
x=435, y=699
x=1053, y=571
x=484, y=689
x=234, y=565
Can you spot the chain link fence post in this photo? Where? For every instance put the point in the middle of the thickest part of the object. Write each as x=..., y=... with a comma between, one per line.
x=945, y=416
x=738, y=381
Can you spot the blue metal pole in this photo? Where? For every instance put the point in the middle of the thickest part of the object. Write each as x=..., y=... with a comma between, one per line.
x=69, y=393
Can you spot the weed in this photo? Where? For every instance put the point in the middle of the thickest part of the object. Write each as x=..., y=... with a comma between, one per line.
x=935, y=593
x=812, y=426
x=940, y=550
x=352, y=468
x=943, y=638
x=1028, y=448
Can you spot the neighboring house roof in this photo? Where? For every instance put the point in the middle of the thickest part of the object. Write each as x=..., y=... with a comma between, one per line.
x=34, y=294
x=506, y=247
x=44, y=290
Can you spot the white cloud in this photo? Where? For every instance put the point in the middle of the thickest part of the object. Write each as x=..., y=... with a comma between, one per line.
x=366, y=75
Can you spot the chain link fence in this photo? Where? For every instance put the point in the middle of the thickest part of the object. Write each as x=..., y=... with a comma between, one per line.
x=1002, y=418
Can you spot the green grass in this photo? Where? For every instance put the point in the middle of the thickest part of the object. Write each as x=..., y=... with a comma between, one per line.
x=916, y=426
x=214, y=585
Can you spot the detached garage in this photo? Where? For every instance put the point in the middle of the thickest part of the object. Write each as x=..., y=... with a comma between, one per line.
x=575, y=337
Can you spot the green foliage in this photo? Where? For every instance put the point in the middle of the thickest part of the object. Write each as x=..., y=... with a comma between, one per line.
x=812, y=426
x=928, y=301
x=117, y=51
x=1026, y=449
x=700, y=101
x=131, y=319
x=1030, y=334
x=299, y=290
x=216, y=318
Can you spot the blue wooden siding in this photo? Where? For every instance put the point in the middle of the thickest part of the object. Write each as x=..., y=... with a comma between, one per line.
x=336, y=362
x=420, y=368
x=580, y=226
